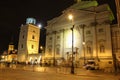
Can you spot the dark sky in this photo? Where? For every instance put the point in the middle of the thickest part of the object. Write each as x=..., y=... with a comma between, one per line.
x=13, y=13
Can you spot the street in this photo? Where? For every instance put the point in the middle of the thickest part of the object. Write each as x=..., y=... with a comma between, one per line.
x=17, y=74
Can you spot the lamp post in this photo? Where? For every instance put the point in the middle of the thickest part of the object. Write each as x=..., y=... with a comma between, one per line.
x=72, y=66
x=84, y=52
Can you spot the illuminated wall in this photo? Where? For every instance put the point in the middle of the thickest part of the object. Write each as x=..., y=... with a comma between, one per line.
x=96, y=35
x=28, y=41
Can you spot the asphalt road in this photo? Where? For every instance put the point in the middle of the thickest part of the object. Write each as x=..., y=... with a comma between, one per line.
x=14, y=74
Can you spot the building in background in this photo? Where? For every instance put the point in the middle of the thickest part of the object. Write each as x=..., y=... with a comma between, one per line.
x=10, y=55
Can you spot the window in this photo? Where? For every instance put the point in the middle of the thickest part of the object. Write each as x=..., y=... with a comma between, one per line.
x=33, y=31
x=88, y=32
x=23, y=36
x=21, y=45
x=49, y=51
x=32, y=46
x=102, y=49
x=57, y=50
x=89, y=50
x=33, y=37
x=58, y=37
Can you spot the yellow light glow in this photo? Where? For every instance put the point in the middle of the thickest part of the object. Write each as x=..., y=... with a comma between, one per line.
x=69, y=40
x=76, y=40
x=70, y=17
x=41, y=47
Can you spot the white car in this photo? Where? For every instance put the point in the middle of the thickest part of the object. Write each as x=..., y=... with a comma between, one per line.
x=91, y=65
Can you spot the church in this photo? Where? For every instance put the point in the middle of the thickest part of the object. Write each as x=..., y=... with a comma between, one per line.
x=89, y=36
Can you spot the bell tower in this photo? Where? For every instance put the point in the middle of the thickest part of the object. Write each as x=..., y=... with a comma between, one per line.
x=28, y=40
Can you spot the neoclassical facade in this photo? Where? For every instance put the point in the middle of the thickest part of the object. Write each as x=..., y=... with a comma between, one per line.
x=91, y=34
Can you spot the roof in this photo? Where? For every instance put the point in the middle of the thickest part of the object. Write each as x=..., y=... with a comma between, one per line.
x=84, y=4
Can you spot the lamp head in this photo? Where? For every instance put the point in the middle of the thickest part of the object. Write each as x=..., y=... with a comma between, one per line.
x=70, y=16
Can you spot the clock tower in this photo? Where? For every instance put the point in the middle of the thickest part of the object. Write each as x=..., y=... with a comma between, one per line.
x=28, y=40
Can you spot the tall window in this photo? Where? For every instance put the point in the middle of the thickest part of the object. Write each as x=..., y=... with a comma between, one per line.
x=89, y=50
x=57, y=50
x=33, y=37
x=23, y=36
x=21, y=45
x=49, y=51
x=32, y=46
x=102, y=49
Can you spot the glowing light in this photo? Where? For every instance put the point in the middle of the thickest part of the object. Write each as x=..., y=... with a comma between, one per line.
x=83, y=43
x=70, y=17
x=69, y=38
x=41, y=47
x=39, y=25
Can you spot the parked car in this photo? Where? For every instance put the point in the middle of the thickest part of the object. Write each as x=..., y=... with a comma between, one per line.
x=91, y=65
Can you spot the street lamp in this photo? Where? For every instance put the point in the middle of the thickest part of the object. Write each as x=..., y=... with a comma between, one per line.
x=39, y=25
x=72, y=66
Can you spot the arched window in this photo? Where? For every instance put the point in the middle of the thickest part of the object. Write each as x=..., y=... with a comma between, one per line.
x=58, y=51
x=89, y=47
x=89, y=50
x=102, y=49
x=102, y=46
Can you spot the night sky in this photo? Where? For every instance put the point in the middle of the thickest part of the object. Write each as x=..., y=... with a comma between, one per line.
x=13, y=13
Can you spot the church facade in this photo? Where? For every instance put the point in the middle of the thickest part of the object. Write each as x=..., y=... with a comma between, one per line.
x=92, y=37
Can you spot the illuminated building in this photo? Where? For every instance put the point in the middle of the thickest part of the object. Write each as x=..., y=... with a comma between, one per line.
x=92, y=26
x=10, y=48
x=12, y=53
x=28, y=40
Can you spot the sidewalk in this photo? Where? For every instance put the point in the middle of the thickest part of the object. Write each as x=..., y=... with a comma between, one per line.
x=67, y=70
